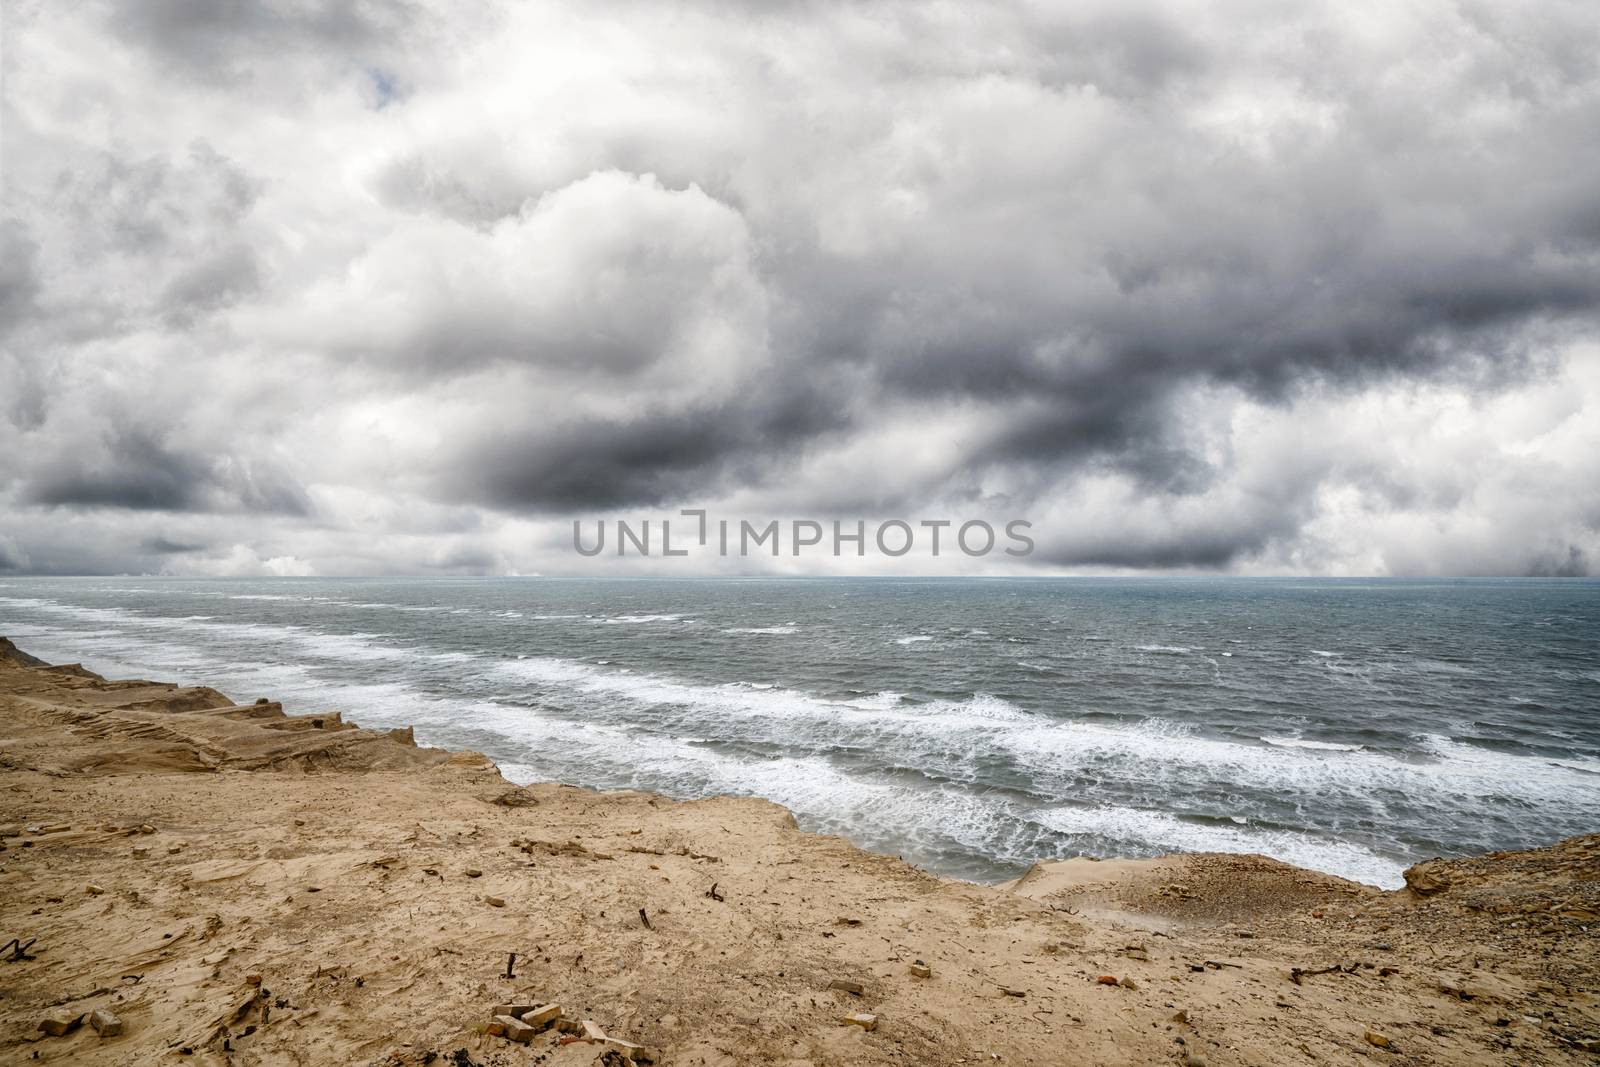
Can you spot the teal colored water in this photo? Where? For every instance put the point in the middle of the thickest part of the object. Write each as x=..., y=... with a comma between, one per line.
x=971, y=726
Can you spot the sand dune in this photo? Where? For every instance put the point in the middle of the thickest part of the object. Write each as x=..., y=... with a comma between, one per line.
x=237, y=885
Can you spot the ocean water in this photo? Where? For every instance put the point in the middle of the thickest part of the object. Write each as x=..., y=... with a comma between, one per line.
x=971, y=726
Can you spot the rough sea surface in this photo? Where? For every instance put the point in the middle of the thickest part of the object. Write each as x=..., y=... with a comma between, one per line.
x=972, y=726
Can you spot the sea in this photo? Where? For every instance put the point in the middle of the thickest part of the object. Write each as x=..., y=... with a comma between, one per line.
x=970, y=726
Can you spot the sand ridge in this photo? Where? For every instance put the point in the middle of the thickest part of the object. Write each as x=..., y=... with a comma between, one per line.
x=243, y=886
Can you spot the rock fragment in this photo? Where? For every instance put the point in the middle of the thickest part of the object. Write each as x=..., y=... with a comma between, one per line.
x=495, y=902
x=844, y=985
x=865, y=1020
x=1375, y=1039
x=1427, y=878
x=105, y=1023
x=542, y=1017
x=59, y=1022
x=516, y=1029
x=921, y=970
x=626, y=1048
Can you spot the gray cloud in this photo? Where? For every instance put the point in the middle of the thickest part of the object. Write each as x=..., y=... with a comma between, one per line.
x=131, y=468
x=227, y=41
x=161, y=546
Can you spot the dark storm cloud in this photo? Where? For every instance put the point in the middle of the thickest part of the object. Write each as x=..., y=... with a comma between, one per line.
x=131, y=468
x=650, y=458
x=231, y=40
x=1574, y=563
x=161, y=546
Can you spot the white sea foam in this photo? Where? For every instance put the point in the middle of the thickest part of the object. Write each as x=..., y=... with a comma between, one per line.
x=1159, y=831
x=1300, y=742
x=1175, y=650
x=911, y=639
x=763, y=630
x=613, y=620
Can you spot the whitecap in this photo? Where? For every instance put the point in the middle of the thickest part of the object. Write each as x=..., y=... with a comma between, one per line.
x=1300, y=742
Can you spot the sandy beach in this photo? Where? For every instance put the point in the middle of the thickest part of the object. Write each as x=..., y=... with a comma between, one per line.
x=194, y=880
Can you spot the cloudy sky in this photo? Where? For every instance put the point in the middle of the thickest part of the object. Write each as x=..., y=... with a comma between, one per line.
x=319, y=287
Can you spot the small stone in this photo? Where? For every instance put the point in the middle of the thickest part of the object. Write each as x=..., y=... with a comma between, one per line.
x=473, y=872
x=516, y=1011
x=627, y=1048
x=93, y=890
x=59, y=1022
x=1376, y=1040
x=494, y=1028
x=542, y=1017
x=495, y=902
x=1128, y=983
x=591, y=1030
x=921, y=970
x=299, y=822
x=844, y=985
x=865, y=1020
x=147, y=829
x=1181, y=1017
x=105, y=1024
x=1427, y=878
x=252, y=979
x=1107, y=979
x=516, y=1029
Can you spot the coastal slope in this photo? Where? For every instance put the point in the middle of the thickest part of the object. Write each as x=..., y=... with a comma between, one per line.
x=237, y=885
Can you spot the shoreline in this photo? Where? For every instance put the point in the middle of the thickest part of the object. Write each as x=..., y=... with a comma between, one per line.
x=303, y=849
x=1297, y=845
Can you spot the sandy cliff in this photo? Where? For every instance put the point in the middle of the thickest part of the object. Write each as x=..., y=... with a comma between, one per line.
x=237, y=885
